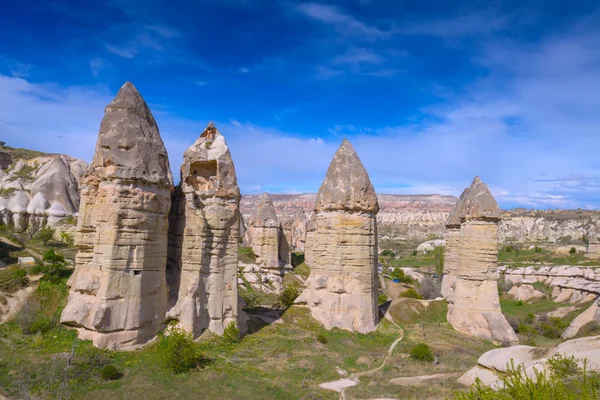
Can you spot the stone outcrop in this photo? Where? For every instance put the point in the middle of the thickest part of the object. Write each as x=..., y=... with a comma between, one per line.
x=265, y=235
x=5, y=160
x=299, y=232
x=492, y=364
x=474, y=305
x=285, y=240
x=342, y=288
x=118, y=292
x=40, y=191
x=202, y=269
x=593, y=248
x=451, y=246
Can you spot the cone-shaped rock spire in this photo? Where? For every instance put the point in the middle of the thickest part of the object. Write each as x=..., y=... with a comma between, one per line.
x=451, y=247
x=342, y=288
x=118, y=294
x=473, y=303
x=347, y=185
x=203, y=239
x=129, y=144
x=265, y=236
x=265, y=213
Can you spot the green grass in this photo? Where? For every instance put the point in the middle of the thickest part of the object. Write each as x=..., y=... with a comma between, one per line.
x=526, y=257
x=246, y=255
x=512, y=307
x=22, y=154
x=418, y=261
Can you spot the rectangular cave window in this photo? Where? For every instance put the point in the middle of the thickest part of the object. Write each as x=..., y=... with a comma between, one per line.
x=203, y=175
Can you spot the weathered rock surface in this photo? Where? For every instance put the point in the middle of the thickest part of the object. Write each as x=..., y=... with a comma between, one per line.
x=592, y=314
x=451, y=258
x=202, y=269
x=265, y=234
x=118, y=292
x=343, y=285
x=532, y=359
x=299, y=232
x=5, y=160
x=310, y=237
x=525, y=293
x=39, y=191
x=474, y=305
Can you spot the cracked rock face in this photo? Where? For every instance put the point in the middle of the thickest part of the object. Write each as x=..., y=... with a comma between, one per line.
x=342, y=250
x=118, y=292
x=203, y=239
x=266, y=234
x=473, y=303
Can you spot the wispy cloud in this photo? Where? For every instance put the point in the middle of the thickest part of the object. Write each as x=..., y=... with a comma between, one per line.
x=344, y=23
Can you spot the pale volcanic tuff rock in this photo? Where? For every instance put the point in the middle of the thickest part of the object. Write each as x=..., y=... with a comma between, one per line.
x=451, y=259
x=265, y=234
x=310, y=237
x=341, y=290
x=118, y=292
x=203, y=239
x=299, y=232
x=474, y=305
x=39, y=191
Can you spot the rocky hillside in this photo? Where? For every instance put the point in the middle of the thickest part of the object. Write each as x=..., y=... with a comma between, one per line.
x=36, y=188
x=415, y=217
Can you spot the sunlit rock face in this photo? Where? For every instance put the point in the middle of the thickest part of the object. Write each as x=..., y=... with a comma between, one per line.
x=266, y=231
x=451, y=260
x=203, y=239
x=118, y=292
x=473, y=304
x=342, y=288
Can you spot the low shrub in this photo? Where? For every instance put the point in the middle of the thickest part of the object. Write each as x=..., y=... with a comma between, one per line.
x=231, y=334
x=246, y=255
x=13, y=278
x=178, y=353
x=519, y=303
x=399, y=275
x=563, y=366
x=421, y=352
x=110, y=373
x=410, y=294
x=382, y=298
x=388, y=253
x=573, y=251
x=46, y=234
x=288, y=296
x=251, y=298
x=321, y=338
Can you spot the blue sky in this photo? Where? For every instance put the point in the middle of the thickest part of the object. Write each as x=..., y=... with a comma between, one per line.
x=430, y=93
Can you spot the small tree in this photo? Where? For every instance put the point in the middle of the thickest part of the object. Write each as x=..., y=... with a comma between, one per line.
x=572, y=251
x=46, y=234
x=67, y=238
x=2, y=144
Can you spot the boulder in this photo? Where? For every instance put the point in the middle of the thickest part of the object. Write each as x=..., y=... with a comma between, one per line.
x=25, y=261
x=500, y=359
x=525, y=293
x=590, y=315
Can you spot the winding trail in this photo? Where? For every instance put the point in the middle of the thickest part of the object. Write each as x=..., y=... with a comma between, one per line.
x=353, y=378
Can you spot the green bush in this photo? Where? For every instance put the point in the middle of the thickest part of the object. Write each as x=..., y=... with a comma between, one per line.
x=388, y=253
x=516, y=385
x=246, y=255
x=288, y=296
x=53, y=267
x=563, y=366
x=573, y=251
x=46, y=234
x=231, y=334
x=382, y=298
x=13, y=278
x=321, y=338
x=110, y=373
x=399, y=274
x=177, y=352
x=410, y=294
x=251, y=298
x=519, y=303
x=537, y=249
x=421, y=352
x=439, y=256
x=67, y=238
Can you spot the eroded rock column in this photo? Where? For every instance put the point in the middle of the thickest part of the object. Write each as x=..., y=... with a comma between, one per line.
x=342, y=287
x=204, y=238
x=474, y=305
x=451, y=248
x=118, y=292
x=266, y=233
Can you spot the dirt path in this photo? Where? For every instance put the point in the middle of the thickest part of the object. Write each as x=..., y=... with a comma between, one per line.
x=342, y=384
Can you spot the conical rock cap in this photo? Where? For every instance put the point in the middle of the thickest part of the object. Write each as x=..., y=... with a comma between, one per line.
x=479, y=203
x=129, y=144
x=265, y=213
x=347, y=186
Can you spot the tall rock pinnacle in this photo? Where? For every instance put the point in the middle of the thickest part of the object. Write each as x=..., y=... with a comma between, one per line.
x=203, y=239
x=118, y=295
x=342, y=287
x=473, y=302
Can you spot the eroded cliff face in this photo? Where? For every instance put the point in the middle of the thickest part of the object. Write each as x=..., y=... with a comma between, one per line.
x=203, y=239
x=118, y=291
x=341, y=290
